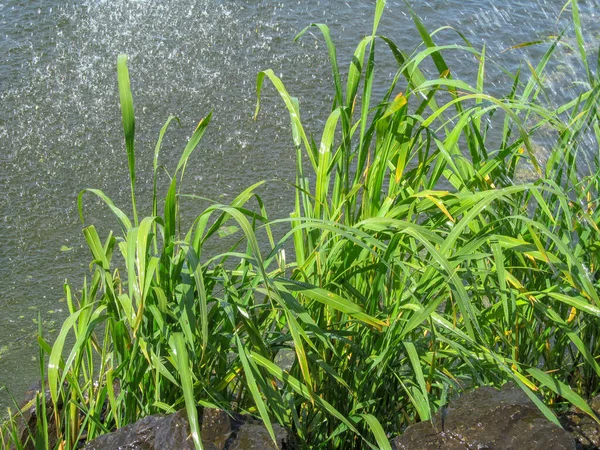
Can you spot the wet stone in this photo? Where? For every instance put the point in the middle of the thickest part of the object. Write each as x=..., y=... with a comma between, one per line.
x=489, y=419
x=219, y=430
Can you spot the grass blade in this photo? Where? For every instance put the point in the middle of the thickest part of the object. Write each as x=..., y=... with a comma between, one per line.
x=377, y=429
x=180, y=356
x=128, y=124
x=258, y=400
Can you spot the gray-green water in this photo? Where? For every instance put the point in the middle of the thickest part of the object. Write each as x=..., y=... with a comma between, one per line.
x=60, y=124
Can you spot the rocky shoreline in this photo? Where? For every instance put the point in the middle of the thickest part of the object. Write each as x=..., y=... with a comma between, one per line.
x=484, y=418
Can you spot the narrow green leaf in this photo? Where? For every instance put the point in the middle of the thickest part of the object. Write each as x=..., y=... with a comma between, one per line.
x=55, y=361
x=180, y=356
x=416, y=364
x=332, y=59
x=120, y=214
x=128, y=123
x=196, y=270
x=193, y=143
x=93, y=241
x=258, y=400
x=377, y=429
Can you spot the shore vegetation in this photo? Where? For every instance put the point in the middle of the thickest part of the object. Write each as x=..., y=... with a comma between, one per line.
x=418, y=262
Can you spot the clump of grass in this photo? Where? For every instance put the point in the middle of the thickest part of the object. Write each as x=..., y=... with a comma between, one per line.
x=420, y=267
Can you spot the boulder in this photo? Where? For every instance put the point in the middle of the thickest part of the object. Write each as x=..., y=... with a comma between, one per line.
x=490, y=419
x=219, y=430
x=584, y=429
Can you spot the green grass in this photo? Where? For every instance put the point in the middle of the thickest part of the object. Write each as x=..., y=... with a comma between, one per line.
x=421, y=266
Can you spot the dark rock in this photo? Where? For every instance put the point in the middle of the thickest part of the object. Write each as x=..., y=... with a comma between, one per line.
x=584, y=429
x=219, y=430
x=487, y=418
x=216, y=428
x=255, y=436
x=152, y=432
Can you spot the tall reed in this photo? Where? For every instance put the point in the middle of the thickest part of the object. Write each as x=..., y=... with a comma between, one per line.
x=421, y=266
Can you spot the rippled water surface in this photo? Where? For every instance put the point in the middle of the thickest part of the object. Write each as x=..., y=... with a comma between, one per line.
x=60, y=120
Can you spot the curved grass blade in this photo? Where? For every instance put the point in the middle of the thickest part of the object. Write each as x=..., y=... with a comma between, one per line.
x=332, y=58
x=117, y=212
x=55, y=362
x=580, y=40
x=377, y=430
x=193, y=143
x=93, y=241
x=296, y=330
x=355, y=72
x=196, y=269
x=299, y=133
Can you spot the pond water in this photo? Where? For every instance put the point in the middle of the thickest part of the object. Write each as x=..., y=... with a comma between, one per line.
x=60, y=120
